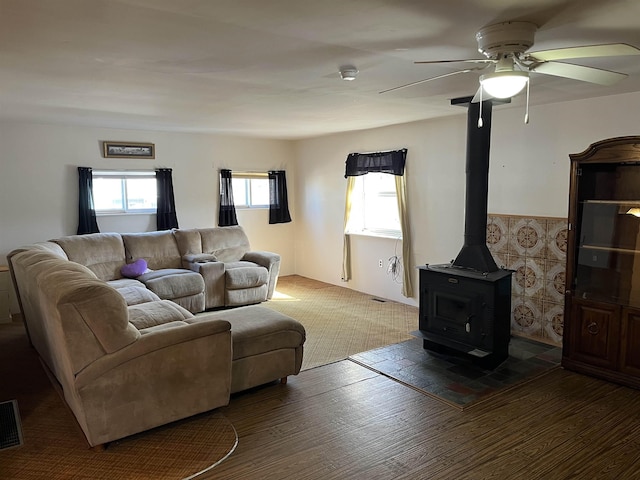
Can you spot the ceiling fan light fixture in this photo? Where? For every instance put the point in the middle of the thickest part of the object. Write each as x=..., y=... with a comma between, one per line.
x=504, y=84
x=348, y=73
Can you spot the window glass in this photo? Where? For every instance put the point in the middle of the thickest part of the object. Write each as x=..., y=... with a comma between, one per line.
x=374, y=206
x=124, y=192
x=240, y=192
x=141, y=193
x=108, y=194
x=250, y=190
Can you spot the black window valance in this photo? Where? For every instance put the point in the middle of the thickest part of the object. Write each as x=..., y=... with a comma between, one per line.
x=384, y=162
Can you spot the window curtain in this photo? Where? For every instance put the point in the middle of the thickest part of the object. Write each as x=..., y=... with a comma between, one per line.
x=382, y=162
x=392, y=162
x=227, y=209
x=346, y=248
x=166, y=217
x=87, y=222
x=278, y=199
x=401, y=189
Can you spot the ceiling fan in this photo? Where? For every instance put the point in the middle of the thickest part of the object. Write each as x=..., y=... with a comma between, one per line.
x=505, y=46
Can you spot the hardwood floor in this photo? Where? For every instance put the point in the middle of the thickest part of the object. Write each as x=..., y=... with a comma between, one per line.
x=342, y=421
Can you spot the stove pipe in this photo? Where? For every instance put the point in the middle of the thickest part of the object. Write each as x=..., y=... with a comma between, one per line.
x=474, y=253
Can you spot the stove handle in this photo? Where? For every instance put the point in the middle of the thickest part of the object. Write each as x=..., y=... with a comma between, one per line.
x=467, y=326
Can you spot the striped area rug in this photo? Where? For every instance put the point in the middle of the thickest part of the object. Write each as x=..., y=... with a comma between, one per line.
x=339, y=321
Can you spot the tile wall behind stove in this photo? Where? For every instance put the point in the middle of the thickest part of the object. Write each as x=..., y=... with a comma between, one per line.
x=535, y=248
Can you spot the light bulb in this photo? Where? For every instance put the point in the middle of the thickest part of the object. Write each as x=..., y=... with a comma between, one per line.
x=504, y=84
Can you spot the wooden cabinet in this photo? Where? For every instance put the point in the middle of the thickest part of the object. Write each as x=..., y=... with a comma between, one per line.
x=5, y=316
x=602, y=304
x=629, y=352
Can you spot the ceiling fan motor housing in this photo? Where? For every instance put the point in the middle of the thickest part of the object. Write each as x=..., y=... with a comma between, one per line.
x=506, y=37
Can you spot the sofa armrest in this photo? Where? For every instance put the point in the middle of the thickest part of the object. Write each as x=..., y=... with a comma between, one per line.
x=270, y=261
x=154, y=342
x=166, y=375
x=214, y=282
x=265, y=259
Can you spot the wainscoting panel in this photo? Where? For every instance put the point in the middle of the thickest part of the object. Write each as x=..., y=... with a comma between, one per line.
x=535, y=248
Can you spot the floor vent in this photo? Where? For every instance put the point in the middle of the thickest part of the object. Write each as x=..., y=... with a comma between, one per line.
x=10, y=431
x=379, y=300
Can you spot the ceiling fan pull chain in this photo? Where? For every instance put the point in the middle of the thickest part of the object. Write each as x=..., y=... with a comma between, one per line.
x=526, y=111
x=480, y=115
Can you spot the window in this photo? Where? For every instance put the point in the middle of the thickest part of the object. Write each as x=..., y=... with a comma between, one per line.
x=124, y=192
x=374, y=206
x=250, y=190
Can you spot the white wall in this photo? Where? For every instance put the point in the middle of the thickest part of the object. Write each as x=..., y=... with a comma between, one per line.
x=39, y=181
x=529, y=175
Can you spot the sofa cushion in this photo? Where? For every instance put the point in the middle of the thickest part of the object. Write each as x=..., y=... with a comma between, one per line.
x=102, y=253
x=188, y=240
x=228, y=244
x=125, y=282
x=199, y=258
x=159, y=249
x=151, y=314
x=135, y=295
x=256, y=330
x=173, y=283
x=245, y=296
x=246, y=276
x=164, y=326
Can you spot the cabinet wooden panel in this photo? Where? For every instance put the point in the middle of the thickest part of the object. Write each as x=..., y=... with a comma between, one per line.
x=630, y=351
x=595, y=333
x=602, y=302
x=5, y=316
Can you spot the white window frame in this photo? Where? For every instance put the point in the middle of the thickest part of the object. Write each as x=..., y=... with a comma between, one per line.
x=123, y=175
x=248, y=178
x=357, y=217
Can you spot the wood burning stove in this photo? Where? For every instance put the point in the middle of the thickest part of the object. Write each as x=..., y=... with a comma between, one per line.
x=466, y=311
x=465, y=306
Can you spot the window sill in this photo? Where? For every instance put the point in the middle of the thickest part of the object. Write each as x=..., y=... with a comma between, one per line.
x=390, y=236
x=124, y=214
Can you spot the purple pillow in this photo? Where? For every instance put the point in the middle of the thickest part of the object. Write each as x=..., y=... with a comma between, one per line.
x=134, y=269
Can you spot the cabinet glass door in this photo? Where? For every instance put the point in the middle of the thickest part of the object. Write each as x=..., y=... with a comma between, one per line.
x=608, y=234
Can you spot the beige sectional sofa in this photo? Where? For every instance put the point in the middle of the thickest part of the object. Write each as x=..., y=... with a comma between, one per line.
x=127, y=359
x=228, y=272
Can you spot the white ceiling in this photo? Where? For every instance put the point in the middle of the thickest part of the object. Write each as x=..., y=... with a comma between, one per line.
x=270, y=67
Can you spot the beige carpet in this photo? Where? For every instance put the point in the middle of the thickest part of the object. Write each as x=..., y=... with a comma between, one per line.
x=339, y=321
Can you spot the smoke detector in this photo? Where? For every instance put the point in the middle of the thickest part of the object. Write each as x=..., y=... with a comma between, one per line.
x=348, y=72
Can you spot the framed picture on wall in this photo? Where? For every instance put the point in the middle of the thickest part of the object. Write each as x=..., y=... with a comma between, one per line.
x=128, y=150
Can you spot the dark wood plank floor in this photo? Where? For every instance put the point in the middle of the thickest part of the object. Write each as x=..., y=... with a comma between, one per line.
x=342, y=421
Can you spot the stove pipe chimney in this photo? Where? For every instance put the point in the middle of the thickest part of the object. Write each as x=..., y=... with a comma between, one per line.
x=474, y=253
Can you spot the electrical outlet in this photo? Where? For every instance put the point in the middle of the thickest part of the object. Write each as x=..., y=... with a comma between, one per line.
x=380, y=263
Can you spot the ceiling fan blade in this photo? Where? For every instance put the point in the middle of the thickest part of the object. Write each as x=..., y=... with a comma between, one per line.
x=589, y=51
x=472, y=60
x=466, y=70
x=579, y=72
